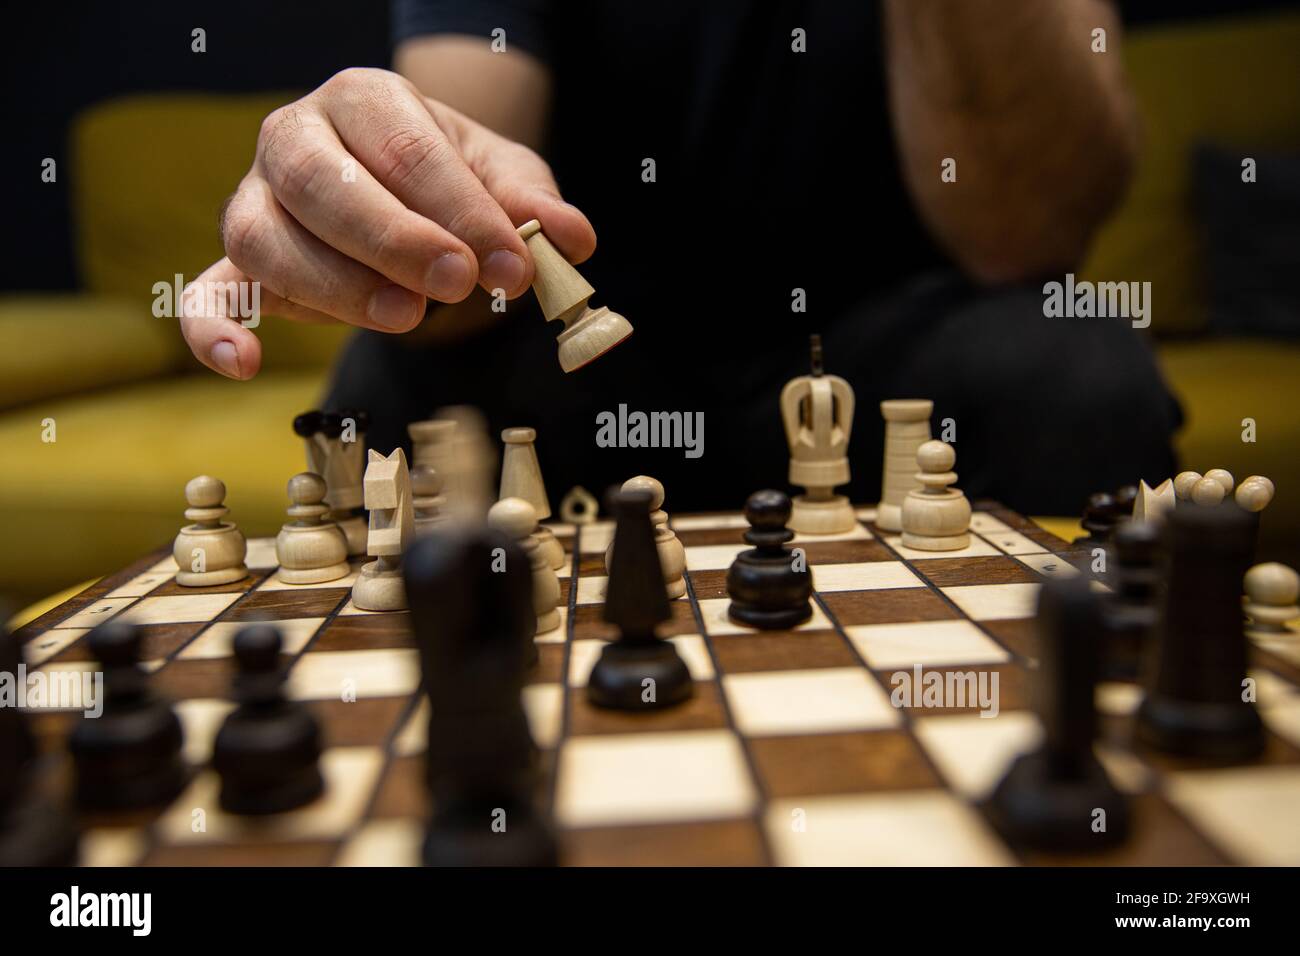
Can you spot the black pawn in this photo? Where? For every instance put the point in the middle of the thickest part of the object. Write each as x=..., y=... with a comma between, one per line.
x=130, y=756
x=768, y=588
x=1050, y=798
x=638, y=670
x=267, y=751
x=1194, y=703
x=34, y=830
x=1130, y=612
x=1125, y=498
x=1100, y=516
x=472, y=615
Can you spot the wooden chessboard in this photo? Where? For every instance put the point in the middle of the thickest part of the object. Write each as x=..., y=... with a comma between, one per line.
x=790, y=751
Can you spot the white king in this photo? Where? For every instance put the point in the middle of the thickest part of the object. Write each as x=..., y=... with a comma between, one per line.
x=817, y=411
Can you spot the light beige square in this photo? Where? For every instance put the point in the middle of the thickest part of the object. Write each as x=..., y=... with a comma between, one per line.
x=995, y=602
x=714, y=611
x=866, y=576
x=973, y=752
x=652, y=777
x=217, y=639
x=1249, y=812
x=707, y=522
x=141, y=584
x=201, y=718
x=908, y=828
x=1284, y=720
x=595, y=537
x=978, y=548
x=985, y=524
x=1013, y=542
x=544, y=708
x=260, y=554
x=924, y=642
x=112, y=846
x=824, y=700
x=50, y=644
x=97, y=613
x=591, y=590
x=713, y=557
x=350, y=777
x=1048, y=565
x=179, y=608
x=332, y=675
x=393, y=842
x=856, y=533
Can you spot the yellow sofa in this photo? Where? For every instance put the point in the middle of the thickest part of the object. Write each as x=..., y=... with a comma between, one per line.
x=133, y=417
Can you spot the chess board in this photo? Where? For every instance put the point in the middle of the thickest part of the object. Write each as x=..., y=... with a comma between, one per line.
x=790, y=752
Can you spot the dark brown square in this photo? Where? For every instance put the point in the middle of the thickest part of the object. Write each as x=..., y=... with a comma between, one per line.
x=285, y=605
x=1158, y=836
x=845, y=552
x=841, y=763
x=781, y=650
x=708, y=585
x=702, y=537
x=1018, y=635
x=1013, y=691
x=718, y=843
x=402, y=791
x=951, y=572
x=549, y=668
x=246, y=583
x=702, y=712
x=360, y=632
x=367, y=721
x=888, y=606
x=312, y=853
x=588, y=622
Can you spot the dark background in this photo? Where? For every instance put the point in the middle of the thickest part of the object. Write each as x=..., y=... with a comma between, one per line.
x=60, y=58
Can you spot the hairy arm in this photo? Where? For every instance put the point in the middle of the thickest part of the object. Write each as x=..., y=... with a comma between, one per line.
x=1042, y=129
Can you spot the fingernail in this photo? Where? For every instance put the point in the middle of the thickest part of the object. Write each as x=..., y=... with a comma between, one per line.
x=502, y=269
x=393, y=308
x=449, y=277
x=225, y=357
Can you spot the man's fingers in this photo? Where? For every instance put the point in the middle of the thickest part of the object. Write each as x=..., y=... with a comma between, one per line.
x=522, y=182
x=335, y=197
x=389, y=128
x=218, y=339
x=265, y=242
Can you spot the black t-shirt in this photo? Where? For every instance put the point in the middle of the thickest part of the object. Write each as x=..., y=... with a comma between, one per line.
x=775, y=169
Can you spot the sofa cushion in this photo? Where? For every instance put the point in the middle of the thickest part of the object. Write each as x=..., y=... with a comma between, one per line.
x=1223, y=382
x=110, y=488
x=55, y=345
x=1234, y=82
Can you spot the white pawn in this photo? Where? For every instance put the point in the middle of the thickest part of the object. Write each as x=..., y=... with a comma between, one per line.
x=1272, y=590
x=1208, y=492
x=311, y=548
x=1184, y=484
x=672, y=554
x=517, y=518
x=1254, y=493
x=521, y=477
x=210, y=550
x=935, y=516
x=427, y=498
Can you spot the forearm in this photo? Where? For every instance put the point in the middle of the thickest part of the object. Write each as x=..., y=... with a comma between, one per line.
x=1041, y=128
